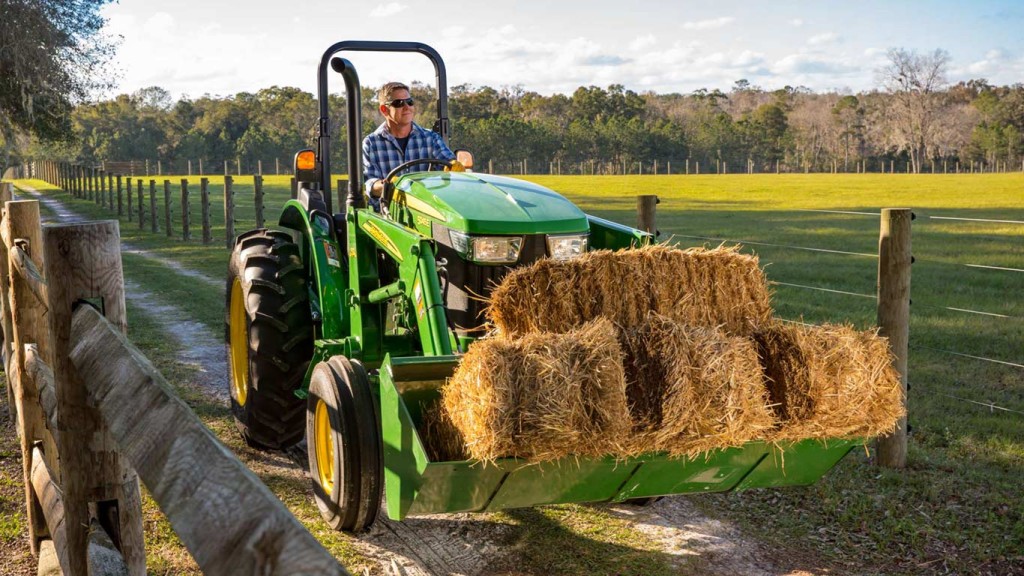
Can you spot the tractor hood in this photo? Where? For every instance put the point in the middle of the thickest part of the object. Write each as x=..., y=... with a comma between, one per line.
x=488, y=204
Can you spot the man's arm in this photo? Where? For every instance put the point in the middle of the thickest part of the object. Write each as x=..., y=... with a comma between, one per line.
x=440, y=149
x=372, y=169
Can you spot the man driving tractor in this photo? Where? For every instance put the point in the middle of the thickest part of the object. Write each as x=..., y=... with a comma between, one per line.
x=397, y=140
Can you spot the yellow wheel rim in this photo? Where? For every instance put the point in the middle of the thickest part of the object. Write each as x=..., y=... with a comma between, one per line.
x=239, y=344
x=324, y=446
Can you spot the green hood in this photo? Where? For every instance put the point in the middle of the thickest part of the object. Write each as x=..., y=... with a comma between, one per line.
x=487, y=204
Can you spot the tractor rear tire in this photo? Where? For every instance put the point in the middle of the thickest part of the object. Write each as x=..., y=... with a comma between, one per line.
x=269, y=336
x=344, y=445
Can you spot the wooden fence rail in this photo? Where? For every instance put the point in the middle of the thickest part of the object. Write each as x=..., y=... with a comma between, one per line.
x=71, y=369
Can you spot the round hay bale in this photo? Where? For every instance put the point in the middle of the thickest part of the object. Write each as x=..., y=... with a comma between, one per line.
x=692, y=389
x=541, y=397
x=711, y=288
x=830, y=381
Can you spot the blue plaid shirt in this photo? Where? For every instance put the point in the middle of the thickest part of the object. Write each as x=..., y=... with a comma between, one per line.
x=381, y=153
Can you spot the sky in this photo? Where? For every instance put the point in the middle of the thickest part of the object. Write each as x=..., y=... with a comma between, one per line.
x=222, y=47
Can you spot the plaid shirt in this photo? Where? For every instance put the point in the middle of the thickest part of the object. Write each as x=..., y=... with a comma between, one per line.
x=381, y=153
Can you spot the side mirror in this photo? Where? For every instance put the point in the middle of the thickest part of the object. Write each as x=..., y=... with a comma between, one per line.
x=465, y=157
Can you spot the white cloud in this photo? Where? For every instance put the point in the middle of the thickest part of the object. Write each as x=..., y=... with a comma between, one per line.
x=642, y=42
x=825, y=38
x=803, y=64
x=796, y=23
x=389, y=9
x=708, y=24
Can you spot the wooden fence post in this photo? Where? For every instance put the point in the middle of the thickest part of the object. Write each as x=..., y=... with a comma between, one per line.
x=204, y=199
x=185, y=213
x=894, y=259
x=167, y=208
x=153, y=226
x=142, y=206
x=88, y=183
x=128, y=185
x=5, y=308
x=229, y=212
x=120, y=191
x=646, y=210
x=257, y=182
x=83, y=262
x=21, y=227
x=110, y=190
x=103, y=189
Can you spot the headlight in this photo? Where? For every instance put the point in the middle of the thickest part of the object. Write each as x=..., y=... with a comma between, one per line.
x=487, y=249
x=567, y=246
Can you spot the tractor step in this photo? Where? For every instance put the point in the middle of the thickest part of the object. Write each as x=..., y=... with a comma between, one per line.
x=416, y=485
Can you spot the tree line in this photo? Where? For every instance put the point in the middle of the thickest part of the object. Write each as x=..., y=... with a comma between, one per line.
x=913, y=120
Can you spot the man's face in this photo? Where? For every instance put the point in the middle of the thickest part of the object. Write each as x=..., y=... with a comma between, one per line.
x=401, y=116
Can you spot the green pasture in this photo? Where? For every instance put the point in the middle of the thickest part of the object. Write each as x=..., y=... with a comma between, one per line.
x=957, y=507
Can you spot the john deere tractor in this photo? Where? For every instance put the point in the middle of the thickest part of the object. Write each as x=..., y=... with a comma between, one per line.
x=342, y=326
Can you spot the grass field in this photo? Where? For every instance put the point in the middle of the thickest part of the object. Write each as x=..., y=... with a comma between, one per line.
x=957, y=507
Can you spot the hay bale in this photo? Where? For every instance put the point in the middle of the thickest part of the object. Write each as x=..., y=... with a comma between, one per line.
x=692, y=389
x=700, y=287
x=441, y=439
x=830, y=381
x=541, y=397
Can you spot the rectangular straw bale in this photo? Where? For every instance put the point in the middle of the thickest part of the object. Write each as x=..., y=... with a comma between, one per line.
x=830, y=381
x=693, y=389
x=541, y=397
x=717, y=287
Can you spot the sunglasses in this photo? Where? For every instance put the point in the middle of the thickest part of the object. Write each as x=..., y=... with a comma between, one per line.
x=399, y=103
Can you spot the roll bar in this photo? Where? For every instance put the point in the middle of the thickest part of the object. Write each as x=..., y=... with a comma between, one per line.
x=354, y=107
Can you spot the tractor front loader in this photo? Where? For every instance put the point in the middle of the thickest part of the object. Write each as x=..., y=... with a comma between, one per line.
x=341, y=328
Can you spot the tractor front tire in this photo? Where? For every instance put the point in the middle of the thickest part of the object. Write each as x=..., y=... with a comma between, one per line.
x=344, y=445
x=269, y=336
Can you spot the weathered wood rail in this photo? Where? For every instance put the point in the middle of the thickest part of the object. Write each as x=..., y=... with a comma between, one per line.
x=94, y=417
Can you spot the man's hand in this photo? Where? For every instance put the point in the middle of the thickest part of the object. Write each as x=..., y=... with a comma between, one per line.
x=455, y=166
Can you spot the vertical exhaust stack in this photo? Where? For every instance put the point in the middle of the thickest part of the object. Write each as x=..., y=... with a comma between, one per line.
x=354, y=124
x=348, y=72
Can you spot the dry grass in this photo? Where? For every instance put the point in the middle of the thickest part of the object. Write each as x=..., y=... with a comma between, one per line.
x=830, y=381
x=693, y=389
x=711, y=288
x=441, y=438
x=543, y=396
x=703, y=363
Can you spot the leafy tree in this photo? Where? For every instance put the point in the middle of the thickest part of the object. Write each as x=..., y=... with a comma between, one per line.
x=52, y=56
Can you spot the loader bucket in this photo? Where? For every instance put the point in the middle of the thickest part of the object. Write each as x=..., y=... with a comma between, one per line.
x=416, y=485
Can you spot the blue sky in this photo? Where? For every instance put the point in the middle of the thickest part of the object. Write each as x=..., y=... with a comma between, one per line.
x=196, y=47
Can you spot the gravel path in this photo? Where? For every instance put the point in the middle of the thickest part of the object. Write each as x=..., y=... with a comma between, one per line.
x=464, y=544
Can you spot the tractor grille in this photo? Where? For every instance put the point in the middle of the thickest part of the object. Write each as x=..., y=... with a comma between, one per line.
x=469, y=285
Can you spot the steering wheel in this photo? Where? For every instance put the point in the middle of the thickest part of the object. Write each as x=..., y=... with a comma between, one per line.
x=389, y=187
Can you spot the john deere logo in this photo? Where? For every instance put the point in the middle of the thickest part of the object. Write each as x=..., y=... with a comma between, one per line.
x=385, y=242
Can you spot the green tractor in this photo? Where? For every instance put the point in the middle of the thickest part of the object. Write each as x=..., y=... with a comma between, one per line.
x=341, y=328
